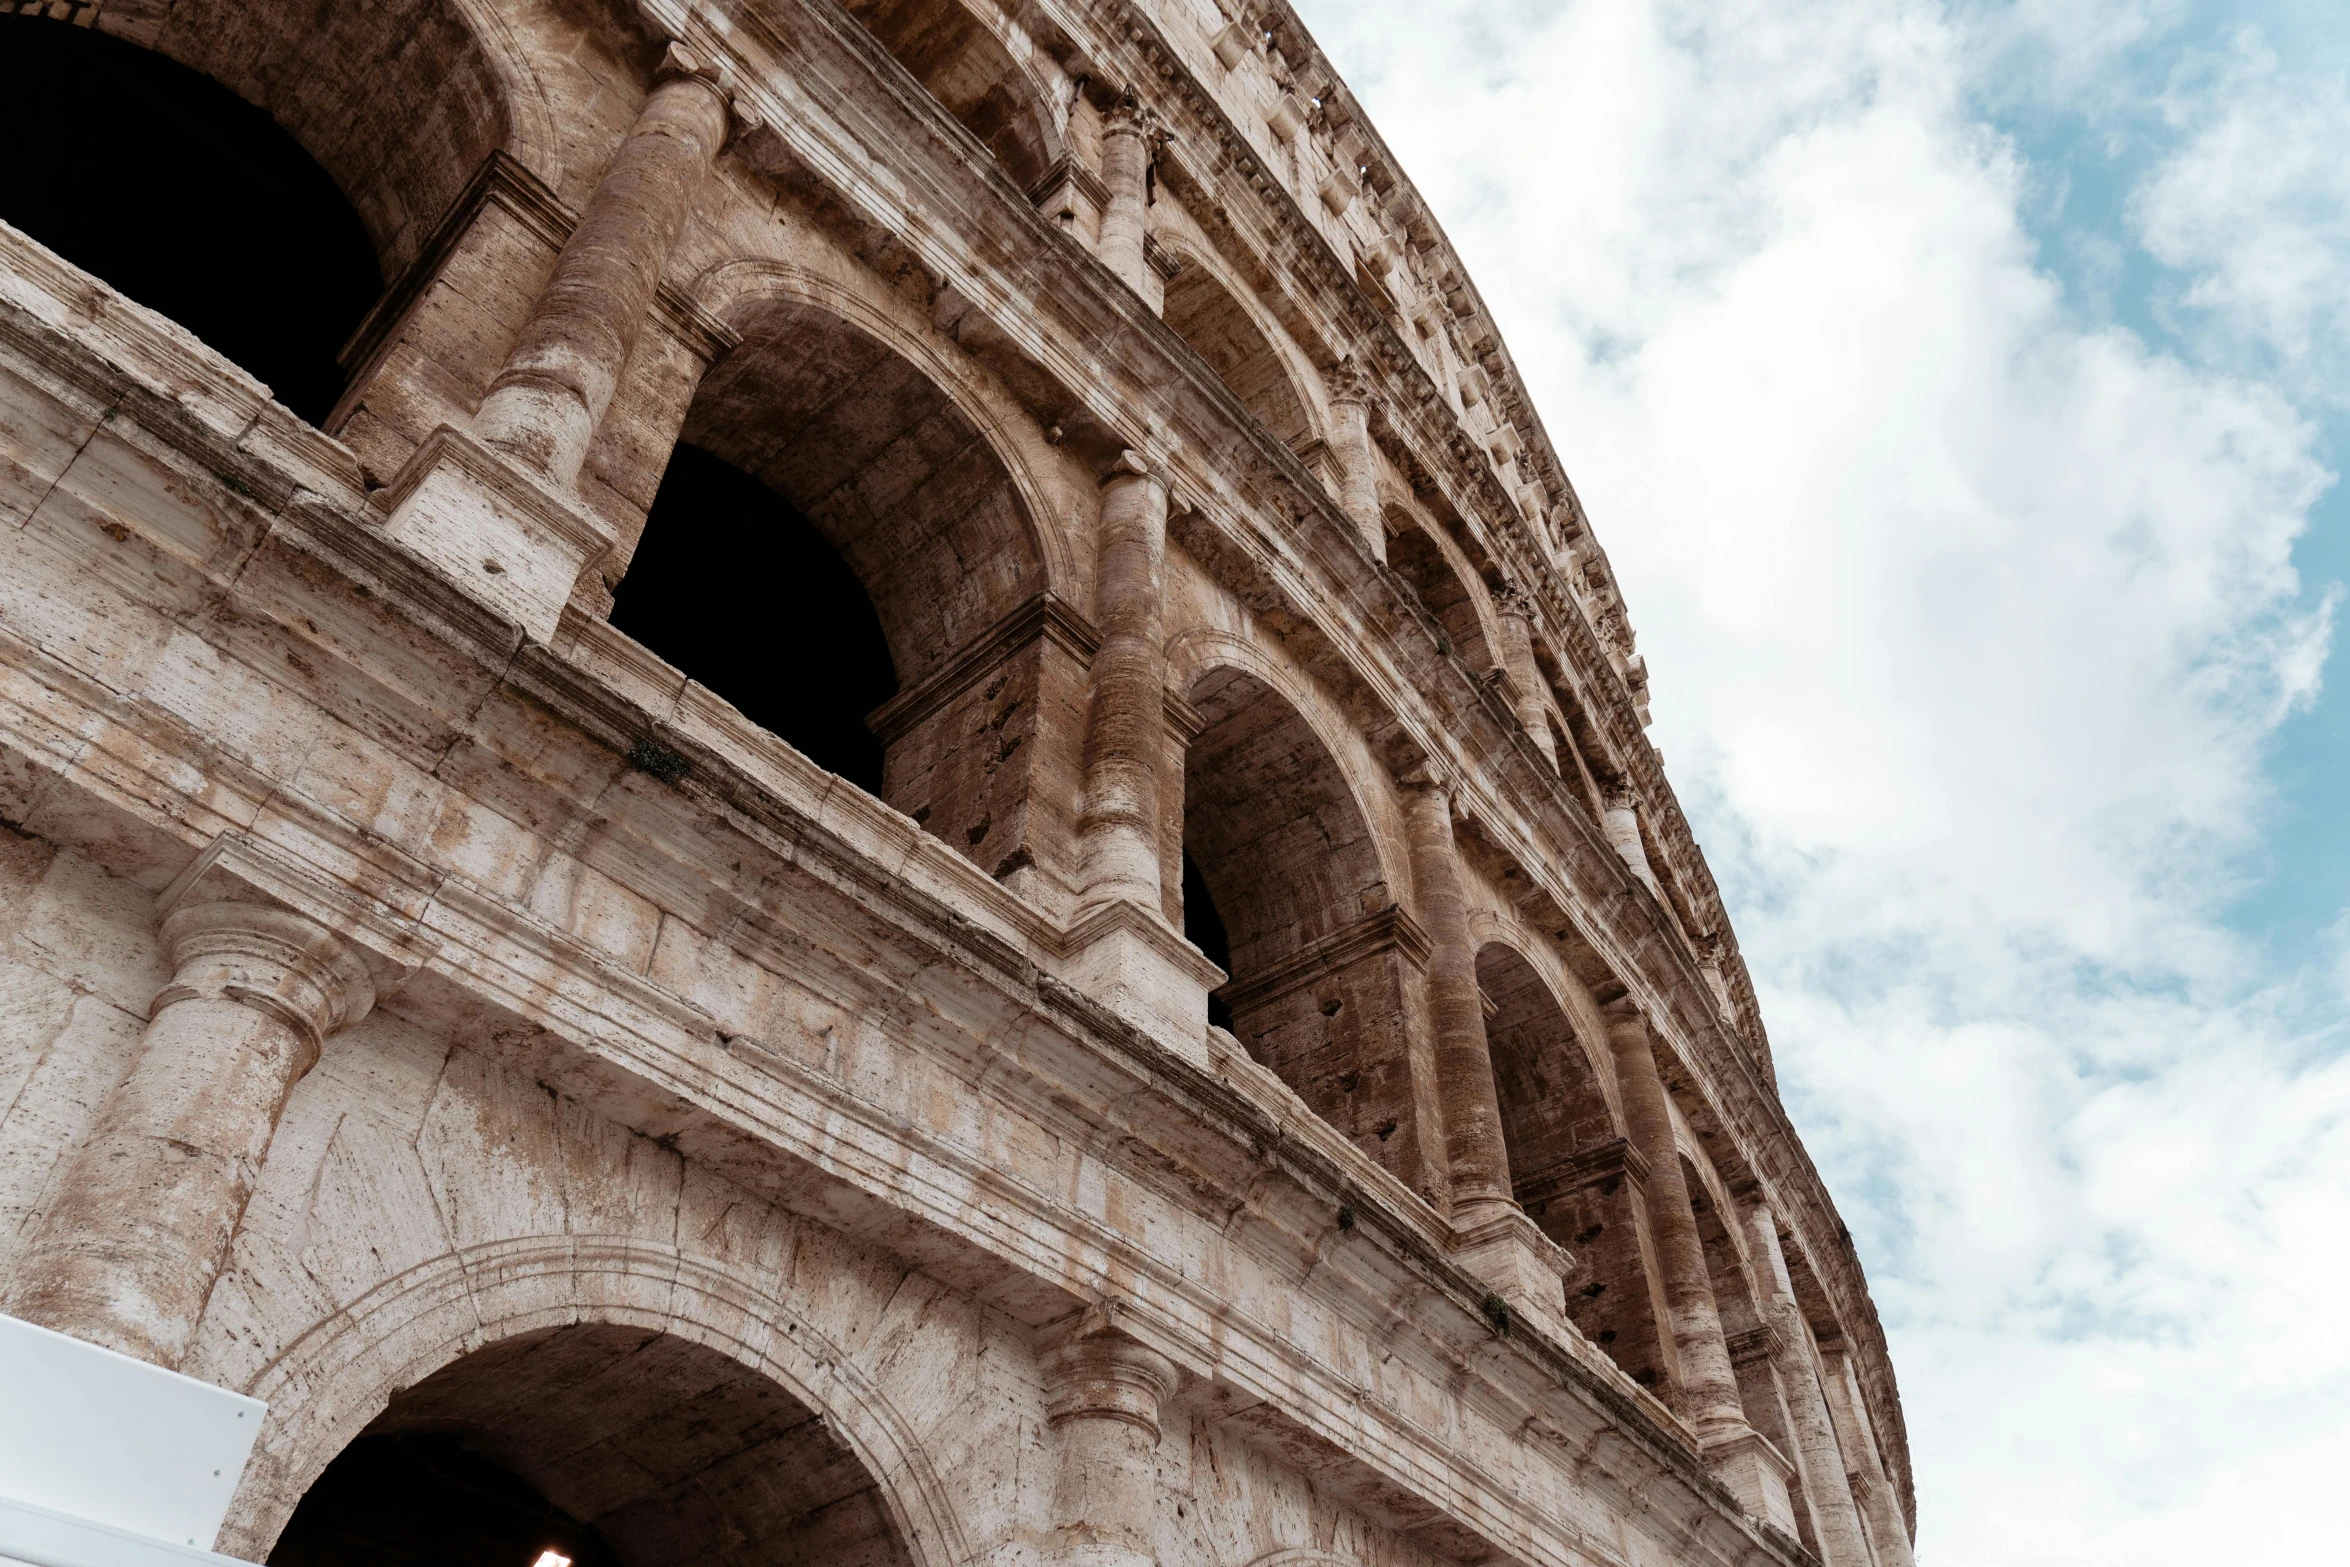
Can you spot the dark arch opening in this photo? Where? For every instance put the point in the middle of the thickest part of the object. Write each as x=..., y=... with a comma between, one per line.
x=1569, y=1169
x=1420, y=561
x=841, y=550
x=617, y=1447
x=1283, y=887
x=734, y=586
x=1204, y=928
x=186, y=198
x=427, y=1500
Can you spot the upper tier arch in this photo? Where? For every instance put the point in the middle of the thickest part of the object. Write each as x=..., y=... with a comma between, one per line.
x=399, y=101
x=893, y=449
x=1216, y=319
x=959, y=58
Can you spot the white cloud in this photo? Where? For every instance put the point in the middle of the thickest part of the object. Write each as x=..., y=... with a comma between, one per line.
x=2254, y=205
x=1969, y=618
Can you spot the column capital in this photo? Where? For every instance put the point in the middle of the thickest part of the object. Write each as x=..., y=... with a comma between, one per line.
x=682, y=62
x=1130, y=116
x=277, y=962
x=1098, y=1373
x=1130, y=464
x=1347, y=381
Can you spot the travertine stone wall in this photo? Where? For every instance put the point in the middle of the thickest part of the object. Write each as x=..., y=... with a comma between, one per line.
x=420, y=1003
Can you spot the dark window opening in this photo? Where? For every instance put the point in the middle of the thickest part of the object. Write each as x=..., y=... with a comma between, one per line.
x=736, y=588
x=185, y=197
x=1203, y=927
x=429, y=1501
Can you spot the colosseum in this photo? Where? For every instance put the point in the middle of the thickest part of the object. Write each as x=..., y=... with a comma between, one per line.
x=845, y=781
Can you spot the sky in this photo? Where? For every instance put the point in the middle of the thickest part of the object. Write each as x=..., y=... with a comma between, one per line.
x=1960, y=392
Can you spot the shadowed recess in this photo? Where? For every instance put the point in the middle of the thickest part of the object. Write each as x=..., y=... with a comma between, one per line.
x=185, y=197
x=738, y=590
x=1421, y=562
x=1203, y=927
x=895, y=477
x=619, y=1447
x=969, y=72
x=1204, y=315
x=1279, y=841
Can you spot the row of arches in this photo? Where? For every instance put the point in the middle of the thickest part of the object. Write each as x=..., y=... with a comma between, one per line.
x=1020, y=104
x=850, y=543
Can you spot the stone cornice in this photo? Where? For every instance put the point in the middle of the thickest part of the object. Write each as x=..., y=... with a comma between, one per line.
x=1389, y=930
x=1045, y=615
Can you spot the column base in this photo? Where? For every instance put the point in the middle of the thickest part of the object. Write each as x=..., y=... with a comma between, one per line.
x=1757, y=1473
x=503, y=534
x=1130, y=960
x=1523, y=1266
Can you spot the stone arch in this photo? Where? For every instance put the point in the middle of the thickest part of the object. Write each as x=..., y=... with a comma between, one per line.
x=743, y=290
x=400, y=102
x=960, y=61
x=1546, y=1080
x=1302, y=1556
x=1446, y=585
x=1571, y=1167
x=1730, y=1273
x=1326, y=968
x=869, y=443
x=1242, y=347
x=332, y=1382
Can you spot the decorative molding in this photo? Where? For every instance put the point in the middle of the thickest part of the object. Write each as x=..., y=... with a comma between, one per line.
x=1389, y=930
x=1045, y=615
x=1585, y=1168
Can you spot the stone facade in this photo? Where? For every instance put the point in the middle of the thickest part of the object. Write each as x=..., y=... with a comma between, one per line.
x=426, y=1009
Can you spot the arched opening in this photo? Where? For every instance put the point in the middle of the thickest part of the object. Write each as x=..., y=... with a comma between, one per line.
x=968, y=70
x=1421, y=561
x=861, y=537
x=614, y=1446
x=732, y=584
x=1323, y=965
x=1571, y=1170
x=1216, y=324
x=1203, y=927
x=180, y=194
x=1759, y=1389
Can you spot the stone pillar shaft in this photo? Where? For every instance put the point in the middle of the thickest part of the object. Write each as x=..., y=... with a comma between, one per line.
x=127, y=1255
x=1126, y=165
x=1103, y=1392
x=1887, y=1527
x=1476, y=1154
x=1620, y=821
x=1835, y=1516
x=1517, y=661
x=1709, y=1388
x=546, y=402
x=1350, y=443
x=1126, y=726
